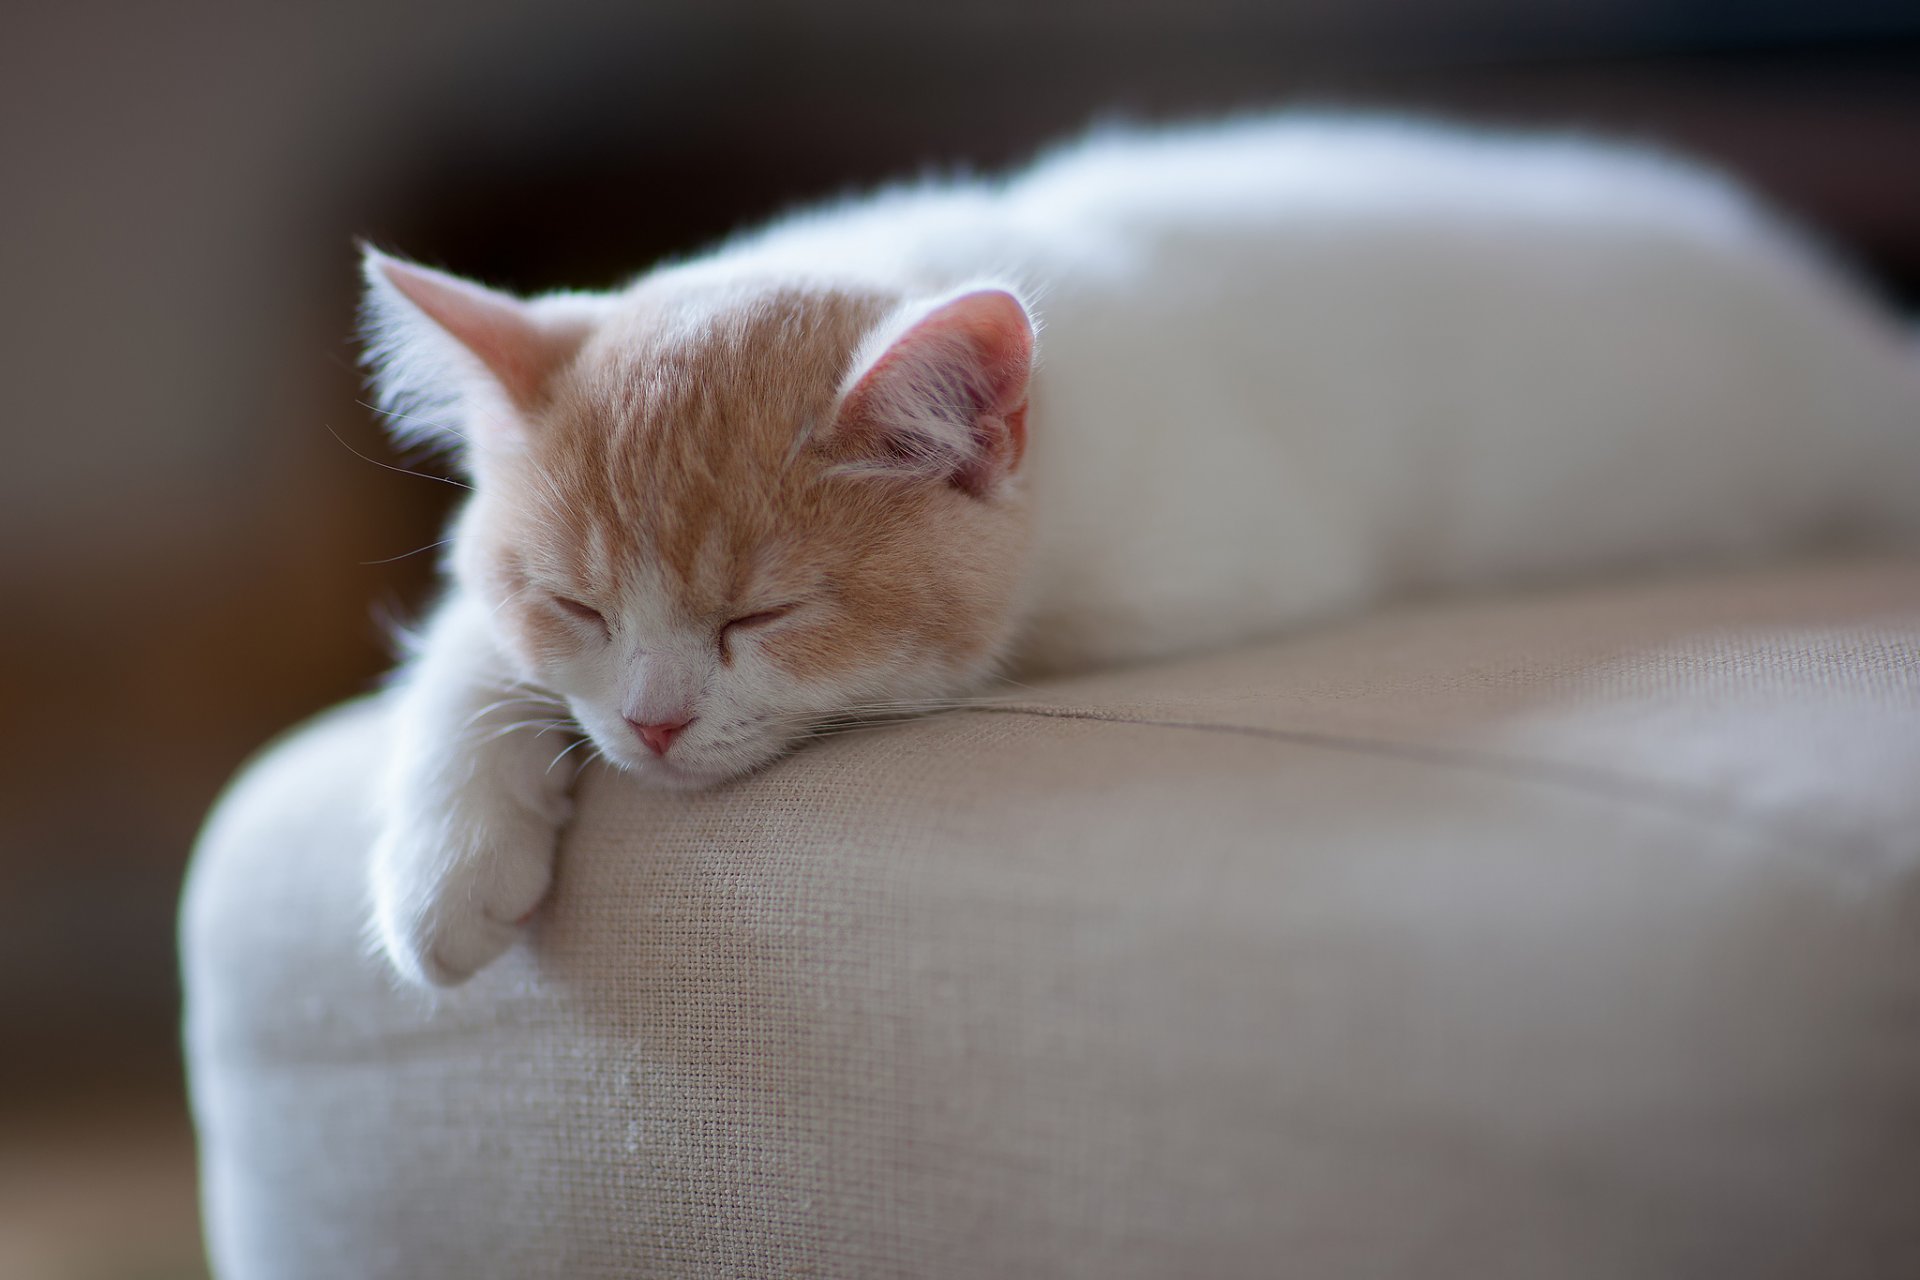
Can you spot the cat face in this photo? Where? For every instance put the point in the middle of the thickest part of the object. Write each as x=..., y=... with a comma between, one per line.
x=711, y=516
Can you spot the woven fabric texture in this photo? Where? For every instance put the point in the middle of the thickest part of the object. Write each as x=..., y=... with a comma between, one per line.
x=1572, y=935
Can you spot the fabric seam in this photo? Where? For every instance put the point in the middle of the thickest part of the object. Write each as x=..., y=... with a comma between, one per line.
x=1555, y=773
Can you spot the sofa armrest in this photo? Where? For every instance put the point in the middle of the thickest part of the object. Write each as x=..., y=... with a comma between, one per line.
x=1572, y=935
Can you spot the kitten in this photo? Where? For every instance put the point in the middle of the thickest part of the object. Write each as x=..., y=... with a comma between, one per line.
x=1291, y=367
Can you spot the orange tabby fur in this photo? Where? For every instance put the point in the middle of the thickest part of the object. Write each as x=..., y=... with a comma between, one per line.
x=693, y=436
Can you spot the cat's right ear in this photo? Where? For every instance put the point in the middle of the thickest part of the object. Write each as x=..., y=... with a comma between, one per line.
x=455, y=359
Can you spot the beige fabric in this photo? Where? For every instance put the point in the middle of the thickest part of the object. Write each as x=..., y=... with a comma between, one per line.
x=1570, y=936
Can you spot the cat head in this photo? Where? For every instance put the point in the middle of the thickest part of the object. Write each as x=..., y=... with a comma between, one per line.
x=711, y=514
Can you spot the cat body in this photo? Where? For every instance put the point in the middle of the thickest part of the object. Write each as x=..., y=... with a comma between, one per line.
x=1160, y=393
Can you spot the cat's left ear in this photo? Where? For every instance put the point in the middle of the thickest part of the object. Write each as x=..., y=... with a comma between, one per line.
x=943, y=397
x=450, y=355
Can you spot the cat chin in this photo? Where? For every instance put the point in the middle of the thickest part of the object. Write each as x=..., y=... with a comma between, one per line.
x=669, y=776
x=675, y=775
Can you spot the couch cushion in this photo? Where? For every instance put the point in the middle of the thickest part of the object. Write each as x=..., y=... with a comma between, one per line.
x=1567, y=935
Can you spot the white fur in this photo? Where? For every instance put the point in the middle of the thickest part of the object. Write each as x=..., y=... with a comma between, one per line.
x=1290, y=367
x=471, y=804
x=433, y=390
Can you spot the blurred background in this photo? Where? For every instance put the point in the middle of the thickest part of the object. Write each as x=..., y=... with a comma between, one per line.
x=198, y=541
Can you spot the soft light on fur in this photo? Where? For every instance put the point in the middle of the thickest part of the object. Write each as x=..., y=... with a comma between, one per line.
x=1291, y=367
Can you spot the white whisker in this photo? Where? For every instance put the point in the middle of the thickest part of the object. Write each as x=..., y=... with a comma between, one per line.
x=566, y=752
x=542, y=727
x=509, y=600
x=404, y=554
x=424, y=475
x=498, y=704
x=437, y=426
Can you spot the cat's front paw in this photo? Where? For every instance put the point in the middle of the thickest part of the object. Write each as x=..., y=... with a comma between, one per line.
x=449, y=898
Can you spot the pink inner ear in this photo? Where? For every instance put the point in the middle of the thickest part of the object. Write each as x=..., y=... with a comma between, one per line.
x=950, y=394
x=500, y=330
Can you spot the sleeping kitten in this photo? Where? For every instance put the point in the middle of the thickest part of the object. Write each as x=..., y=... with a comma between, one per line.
x=1291, y=367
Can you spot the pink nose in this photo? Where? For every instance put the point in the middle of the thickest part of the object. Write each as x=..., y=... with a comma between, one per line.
x=659, y=737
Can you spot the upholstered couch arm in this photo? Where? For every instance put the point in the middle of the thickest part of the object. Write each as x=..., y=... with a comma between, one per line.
x=1570, y=936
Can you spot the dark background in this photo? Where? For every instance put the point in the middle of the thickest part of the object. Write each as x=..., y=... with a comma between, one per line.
x=193, y=552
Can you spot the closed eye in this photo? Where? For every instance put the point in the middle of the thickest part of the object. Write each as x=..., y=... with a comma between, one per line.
x=749, y=622
x=582, y=611
x=762, y=618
